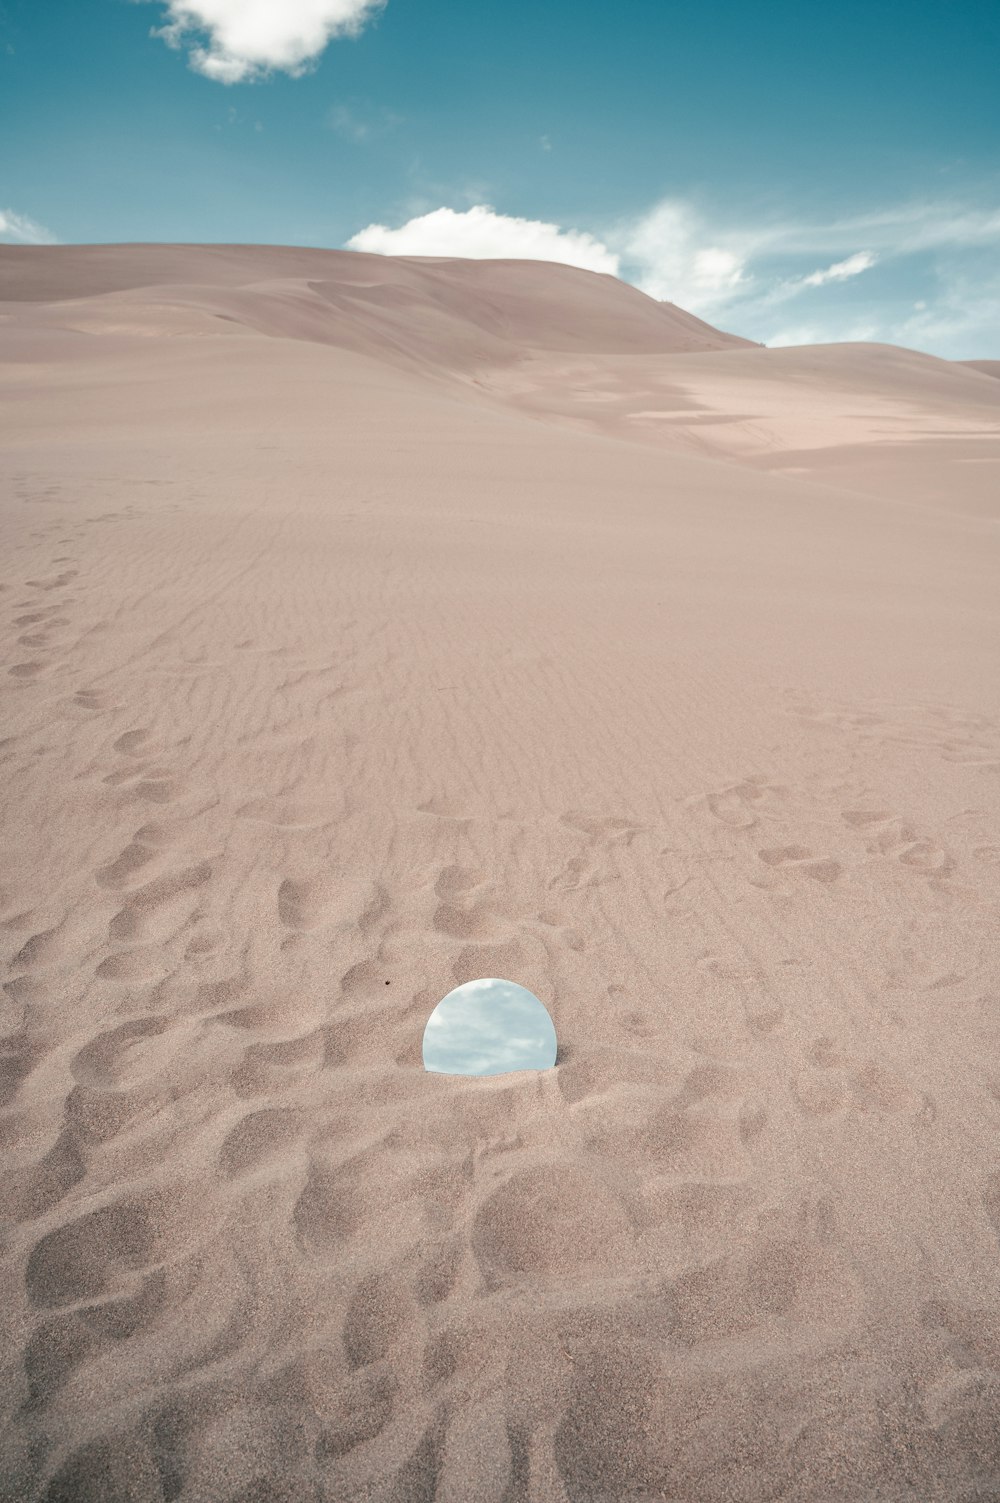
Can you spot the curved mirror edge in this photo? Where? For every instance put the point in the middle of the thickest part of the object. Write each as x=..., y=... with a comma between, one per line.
x=489, y=1027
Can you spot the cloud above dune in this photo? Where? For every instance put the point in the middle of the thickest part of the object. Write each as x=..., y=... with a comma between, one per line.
x=672, y=252
x=20, y=230
x=938, y=287
x=242, y=41
x=482, y=233
x=677, y=257
x=841, y=270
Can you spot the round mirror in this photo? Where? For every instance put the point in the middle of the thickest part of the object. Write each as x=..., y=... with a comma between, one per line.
x=487, y=1028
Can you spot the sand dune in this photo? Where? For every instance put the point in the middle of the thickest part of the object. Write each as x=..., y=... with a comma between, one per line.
x=374, y=625
x=871, y=418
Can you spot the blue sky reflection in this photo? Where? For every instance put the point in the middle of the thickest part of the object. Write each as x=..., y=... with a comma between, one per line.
x=489, y=1027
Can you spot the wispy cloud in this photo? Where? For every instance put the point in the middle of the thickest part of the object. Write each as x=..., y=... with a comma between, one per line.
x=940, y=254
x=361, y=123
x=937, y=283
x=480, y=232
x=840, y=270
x=929, y=225
x=21, y=230
x=242, y=41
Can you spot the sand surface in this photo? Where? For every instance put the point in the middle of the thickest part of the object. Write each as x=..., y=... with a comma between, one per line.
x=374, y=625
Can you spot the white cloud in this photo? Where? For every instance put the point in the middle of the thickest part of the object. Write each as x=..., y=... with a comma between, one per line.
x=480, y=232
x=679, y=259
x=240, y=41
x=676, y=253
x=841, y=270
x=736, y=272
x=939, y=288
x=24, y=231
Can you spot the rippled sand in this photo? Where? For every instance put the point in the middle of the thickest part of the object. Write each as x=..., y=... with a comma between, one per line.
x=373, y=625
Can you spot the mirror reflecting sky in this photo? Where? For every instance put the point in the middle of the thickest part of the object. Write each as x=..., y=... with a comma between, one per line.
x=487, y=1028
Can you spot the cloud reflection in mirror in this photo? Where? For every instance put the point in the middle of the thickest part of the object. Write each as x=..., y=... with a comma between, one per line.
x=489, y=1027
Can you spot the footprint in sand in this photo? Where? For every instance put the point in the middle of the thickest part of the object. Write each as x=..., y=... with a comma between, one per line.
x=159, y=909
x=554, y=926
x=860, y=819
x=683, y=1139
x=454, y=880
x=142, y=771
x=41, y=629
x=260, y=1137
x=142, y=965
x=603, y=829
x=131, y=868
x=310, y=902
x=330, y=1209
x=35, y=668
x=100, y=1253
x=141, y=774
x=799, y=859
x=443, y=809
x=439, y=1272
x=549, y=1221
x=269, y=1067
x=366, y=1402
x=54, y=581
x=575, y=874
x=592, y=868
x=366, y=980
x=740, y=804
x=795, y=1271
x=381, y=1312
x=478, y=921
x=122, y=1058
x=64, y=941
x=49, y=616
x=290, y=813
x=160, y=789
x=838, y=1080
x=94, y=699
x=890, y=835
x=137, y=743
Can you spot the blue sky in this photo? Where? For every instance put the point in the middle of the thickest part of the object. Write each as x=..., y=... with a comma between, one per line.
x=789, y=170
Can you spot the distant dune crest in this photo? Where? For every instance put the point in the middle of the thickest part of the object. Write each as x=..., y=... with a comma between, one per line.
x=554, y=342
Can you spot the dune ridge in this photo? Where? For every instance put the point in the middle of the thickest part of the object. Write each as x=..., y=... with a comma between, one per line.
x=360, y=640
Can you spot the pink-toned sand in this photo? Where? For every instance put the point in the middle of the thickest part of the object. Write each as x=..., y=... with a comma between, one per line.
x=373, y=625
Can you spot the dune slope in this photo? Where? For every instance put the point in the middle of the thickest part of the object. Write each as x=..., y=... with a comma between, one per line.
x=339, y=669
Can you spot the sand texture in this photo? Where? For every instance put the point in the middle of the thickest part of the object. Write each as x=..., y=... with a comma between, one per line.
x=374, y=625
